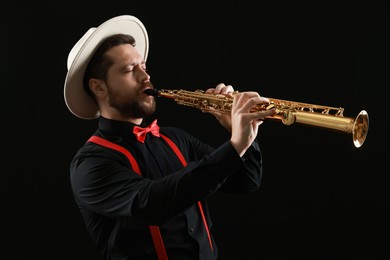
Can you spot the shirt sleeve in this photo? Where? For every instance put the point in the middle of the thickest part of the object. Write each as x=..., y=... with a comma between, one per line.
x=248, y=178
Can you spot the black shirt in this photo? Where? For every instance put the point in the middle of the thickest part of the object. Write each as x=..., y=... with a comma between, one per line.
x=118, y=205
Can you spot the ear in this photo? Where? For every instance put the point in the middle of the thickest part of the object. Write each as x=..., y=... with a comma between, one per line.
x=98, y=87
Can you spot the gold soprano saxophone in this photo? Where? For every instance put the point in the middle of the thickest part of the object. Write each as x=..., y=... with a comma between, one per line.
x=288, y=112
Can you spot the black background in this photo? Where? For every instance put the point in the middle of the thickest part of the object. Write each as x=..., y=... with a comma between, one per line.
x=321, y=198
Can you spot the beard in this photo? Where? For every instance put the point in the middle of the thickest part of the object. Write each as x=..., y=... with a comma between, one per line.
x=130, y=105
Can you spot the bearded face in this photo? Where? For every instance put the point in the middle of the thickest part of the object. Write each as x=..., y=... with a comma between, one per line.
x=133, y=104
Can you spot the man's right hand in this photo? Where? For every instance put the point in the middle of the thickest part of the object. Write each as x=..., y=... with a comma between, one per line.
x=245, y=123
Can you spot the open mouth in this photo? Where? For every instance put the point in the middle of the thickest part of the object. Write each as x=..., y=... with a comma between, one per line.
x=151, y=92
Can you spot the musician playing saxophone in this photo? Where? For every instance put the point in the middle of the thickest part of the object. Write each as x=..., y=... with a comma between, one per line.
x=141, y=188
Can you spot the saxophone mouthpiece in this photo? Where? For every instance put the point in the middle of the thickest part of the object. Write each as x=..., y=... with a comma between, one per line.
x=152, y=92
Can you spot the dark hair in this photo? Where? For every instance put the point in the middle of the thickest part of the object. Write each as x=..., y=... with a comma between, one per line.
x=100, y=63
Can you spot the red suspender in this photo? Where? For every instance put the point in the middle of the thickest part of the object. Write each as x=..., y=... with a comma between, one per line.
x=106, y=143
x=183, y=161
x=154, y=230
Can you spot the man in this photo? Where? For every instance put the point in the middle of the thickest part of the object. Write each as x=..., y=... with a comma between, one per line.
x=142, y=190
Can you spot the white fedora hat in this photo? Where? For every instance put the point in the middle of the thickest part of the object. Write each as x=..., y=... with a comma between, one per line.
x=76, y=98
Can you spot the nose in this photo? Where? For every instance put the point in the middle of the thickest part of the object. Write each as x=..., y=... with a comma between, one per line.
x=143, y=75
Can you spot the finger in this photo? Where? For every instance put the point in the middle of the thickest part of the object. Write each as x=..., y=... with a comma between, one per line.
x=251, y=94
x=261, y=115
x=219, y=87
x=217, y=90
x=227, y=89
x=210, y=91
x=245, y=100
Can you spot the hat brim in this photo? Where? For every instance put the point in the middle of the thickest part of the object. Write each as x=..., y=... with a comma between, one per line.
x=76, y=98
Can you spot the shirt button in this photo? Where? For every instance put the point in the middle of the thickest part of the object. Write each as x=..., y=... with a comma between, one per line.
x=191, y=229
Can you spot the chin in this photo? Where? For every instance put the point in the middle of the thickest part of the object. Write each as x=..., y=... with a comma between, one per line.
x=150, y=108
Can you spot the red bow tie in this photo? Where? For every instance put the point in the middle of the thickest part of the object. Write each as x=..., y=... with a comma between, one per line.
x=140, y=132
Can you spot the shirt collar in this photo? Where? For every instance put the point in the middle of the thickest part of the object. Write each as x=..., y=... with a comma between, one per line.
x=115, y=127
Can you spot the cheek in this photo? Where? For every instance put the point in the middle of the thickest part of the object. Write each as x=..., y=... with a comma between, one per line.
x=121, y=85
x=127, y=94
